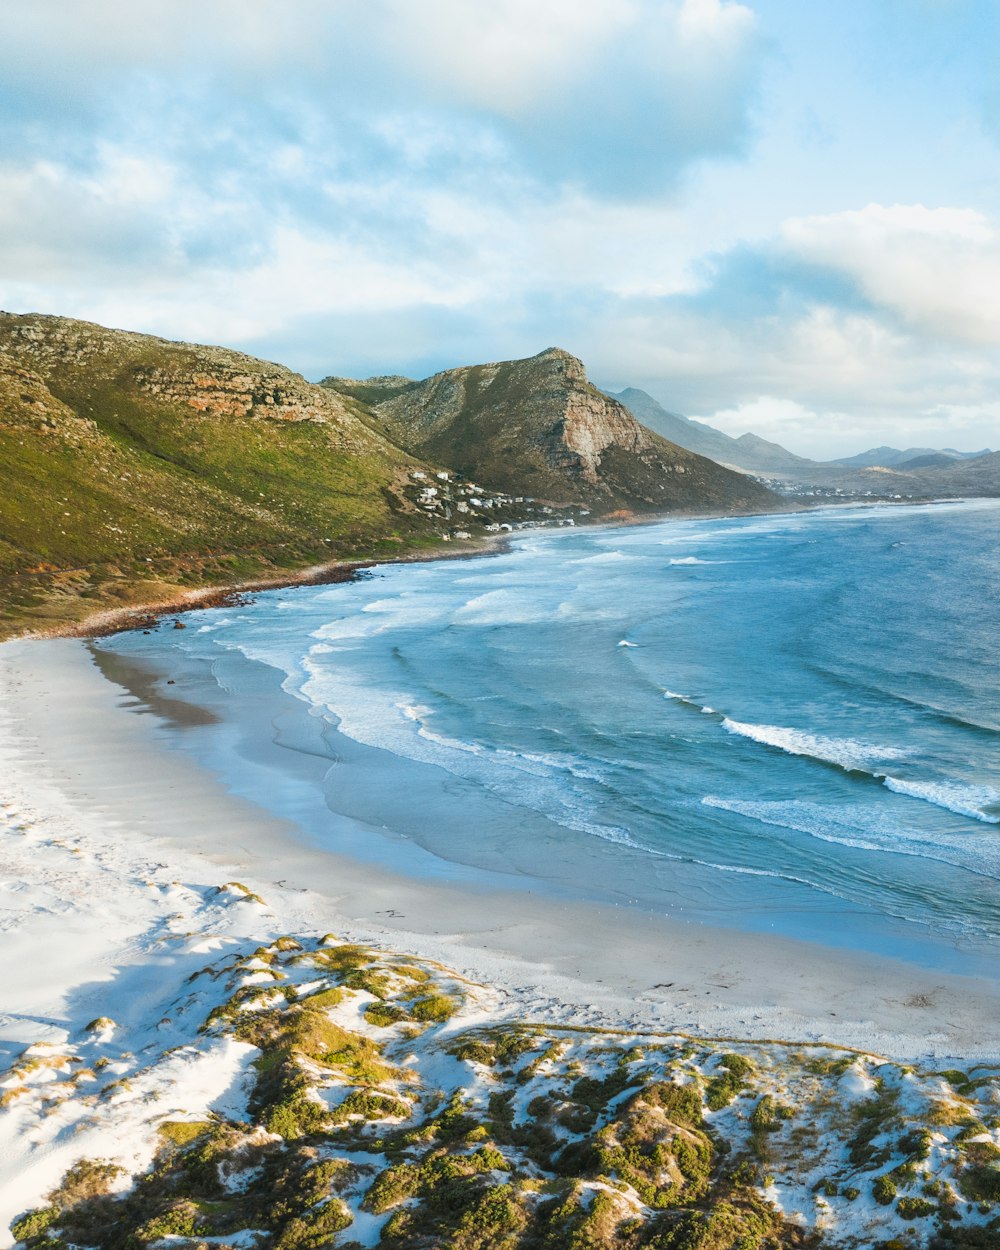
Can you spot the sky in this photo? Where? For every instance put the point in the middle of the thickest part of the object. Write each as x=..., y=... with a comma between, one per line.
x=776, y=215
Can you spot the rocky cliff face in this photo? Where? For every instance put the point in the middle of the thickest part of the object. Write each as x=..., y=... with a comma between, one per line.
x=537, y=426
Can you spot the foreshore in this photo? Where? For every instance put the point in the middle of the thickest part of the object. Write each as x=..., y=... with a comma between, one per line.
x=132, y=876
x=78, y=744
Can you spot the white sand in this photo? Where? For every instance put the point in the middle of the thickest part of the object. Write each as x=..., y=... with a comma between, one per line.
x=113, y=850
x=70, y=752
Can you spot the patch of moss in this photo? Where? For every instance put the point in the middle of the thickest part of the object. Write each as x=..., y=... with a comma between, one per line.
x=34, y=1223
x=884, y=1190
x=183, y=1132
x=433, y=1009
x=382, y=1015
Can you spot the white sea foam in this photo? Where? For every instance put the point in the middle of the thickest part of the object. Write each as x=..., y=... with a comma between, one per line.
x=964, y=800
x=846, y=753
x=693, y=560
x=685, y=701
x=606, y=557
x=865, y=830
x=625, y=643
x=961, y=798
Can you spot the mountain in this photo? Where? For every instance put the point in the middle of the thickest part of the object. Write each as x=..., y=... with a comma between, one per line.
x=976, y=476
x=749, y=452
x=538, y=427
x=139, y=468
x=930, y=460
x=892, y=457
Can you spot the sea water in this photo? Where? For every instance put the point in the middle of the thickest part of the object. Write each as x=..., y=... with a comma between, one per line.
x=784, y=723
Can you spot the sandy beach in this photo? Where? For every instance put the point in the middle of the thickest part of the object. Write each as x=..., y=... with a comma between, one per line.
x=132, y=880
x=79, y=749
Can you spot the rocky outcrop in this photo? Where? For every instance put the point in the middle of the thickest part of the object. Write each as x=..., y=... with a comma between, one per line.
x=228, y=391
x=213, y=381
x=537, y=426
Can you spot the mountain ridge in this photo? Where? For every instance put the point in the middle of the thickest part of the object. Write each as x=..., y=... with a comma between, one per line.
x=145, y=469
x=749, y=453
x=538, y=424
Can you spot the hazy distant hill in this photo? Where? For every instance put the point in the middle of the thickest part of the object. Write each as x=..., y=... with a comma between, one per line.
x=748, y=452
x=914, y=471
x=969, y=476
x=891, y=457
x=538, y=427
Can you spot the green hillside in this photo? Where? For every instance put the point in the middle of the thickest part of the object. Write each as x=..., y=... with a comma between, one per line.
x=136, y=468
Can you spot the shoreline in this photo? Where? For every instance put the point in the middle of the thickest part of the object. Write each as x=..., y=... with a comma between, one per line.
x=109, y=621
x=142, y=615
x=76, y=739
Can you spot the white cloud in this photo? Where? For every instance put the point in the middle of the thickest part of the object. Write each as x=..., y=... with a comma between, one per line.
x=937, y=269
x=619, y=96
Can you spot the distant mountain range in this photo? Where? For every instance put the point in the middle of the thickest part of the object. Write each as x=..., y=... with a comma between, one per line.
x=748, y=452
x=752, y=454
x=913, y=457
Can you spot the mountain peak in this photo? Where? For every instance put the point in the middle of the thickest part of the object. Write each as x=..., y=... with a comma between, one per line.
x=538, y=426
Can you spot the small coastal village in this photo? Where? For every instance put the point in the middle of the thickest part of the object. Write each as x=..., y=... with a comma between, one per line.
x=461, y=510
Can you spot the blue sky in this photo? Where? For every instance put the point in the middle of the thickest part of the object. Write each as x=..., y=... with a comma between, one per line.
x=772, y=215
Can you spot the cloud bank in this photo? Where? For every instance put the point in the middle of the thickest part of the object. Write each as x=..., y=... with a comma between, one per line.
x=389, y=185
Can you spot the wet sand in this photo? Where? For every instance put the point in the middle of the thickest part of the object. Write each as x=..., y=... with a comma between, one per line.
x=75, y=736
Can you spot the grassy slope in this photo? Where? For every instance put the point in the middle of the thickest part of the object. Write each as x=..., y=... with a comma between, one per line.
x=117, y=495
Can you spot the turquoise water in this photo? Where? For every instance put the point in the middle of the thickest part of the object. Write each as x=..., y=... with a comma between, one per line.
x=786, y=723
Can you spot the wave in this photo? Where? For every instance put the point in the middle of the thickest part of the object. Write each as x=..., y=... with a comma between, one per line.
x=865, y=831
x=684, y=701
x=694, y=560
x=625, y=643
x=607, y=557
x=846, y=753
x=964, y=800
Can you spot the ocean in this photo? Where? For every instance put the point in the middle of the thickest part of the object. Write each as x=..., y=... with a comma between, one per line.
x=781, y=724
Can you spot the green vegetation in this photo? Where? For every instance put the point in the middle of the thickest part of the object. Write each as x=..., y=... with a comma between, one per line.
x=915, y=1208
x=146, y=468
x=884, y=1190
x=546, y=1139
x=724, y=1087
x=980, y=1183
x=434, y=1009
x=511, y=426
x=874, y=1117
